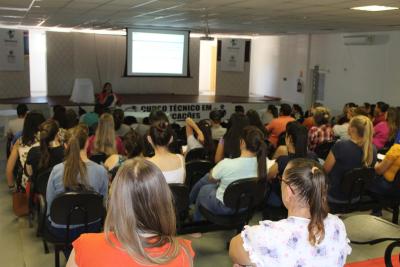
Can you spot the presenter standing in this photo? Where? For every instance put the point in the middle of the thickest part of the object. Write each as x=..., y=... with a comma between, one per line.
x=107, y=97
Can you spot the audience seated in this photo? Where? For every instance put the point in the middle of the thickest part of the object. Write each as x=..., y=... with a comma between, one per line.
x=199, y=135
x=120, y=127
x=76, y=173
x=270, y=114
x=278, y=125
x=346, y=155
x=16, y=125
x=107, y=98
x=296, y=144
x=344, y=117
x=133, y=144
x=71, y=119
x=340, y=131
x=217, y=131
x=92, y=118
x=310, y=236
x=229, y=145
x=254, y=120
x=209, y=190
x=172, y=165
x=29, y=138
x=297, y=113
x=309, y=118
x=105, y=141
x=140, y=226
x=60, y=115
x=49, y=153
x=380, y=112
x=321, y=132
x=384, y=127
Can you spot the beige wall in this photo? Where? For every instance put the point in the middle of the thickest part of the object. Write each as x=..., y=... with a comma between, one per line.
x=15, y=83
x=102, y=58
x=233, y=83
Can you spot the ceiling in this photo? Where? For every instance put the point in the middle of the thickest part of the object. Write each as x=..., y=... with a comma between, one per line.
x=223, y=16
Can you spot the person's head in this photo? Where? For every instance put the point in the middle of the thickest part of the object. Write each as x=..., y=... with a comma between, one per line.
x=254, y=119
x=347, y=106
x=48, y=131
x=74, y=167
x=304, y=187
x=22, y=109
x=297, y=109
x=105, y=135
x=232, y=137
x=160, y=134
x=285, y=110
x=31, y=127
x=205, y=128
x=273, y=110
x=381, y=108
x=133, y=144
x=252, y=140
x=239, y=109
x=141, y=203
x=59, y=114
x=296, y=139
x=107, y=88
x=321, y=116
x=71, y=119
x=392, y=120
x=118, y=115
x=367, y=106
x=129, y=120
x=313, y=107
x=216, y=116
x=352, y=112
x=157, y=116
x=361, y=131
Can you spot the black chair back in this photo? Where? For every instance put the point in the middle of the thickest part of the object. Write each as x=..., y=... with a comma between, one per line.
x=322, y=150
x=196, y=154
x=356, y=182
x=71, y=208
x=40, y=181
x=388, y=253
x=99, y=158
x=195, y=170
x=281, y=139
x=245, y=194
x=181, y=197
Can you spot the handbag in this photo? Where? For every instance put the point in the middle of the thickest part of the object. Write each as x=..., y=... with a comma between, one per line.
x=20, y=202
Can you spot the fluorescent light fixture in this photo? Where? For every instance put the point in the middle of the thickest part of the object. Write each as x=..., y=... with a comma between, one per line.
x=374, y=8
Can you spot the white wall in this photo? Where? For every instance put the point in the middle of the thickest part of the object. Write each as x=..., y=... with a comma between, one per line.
x=277, y=62
x=359, y=73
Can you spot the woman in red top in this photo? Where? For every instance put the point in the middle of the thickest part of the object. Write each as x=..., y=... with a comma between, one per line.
x=140, y=226
x=107, y=97
x=105, y=140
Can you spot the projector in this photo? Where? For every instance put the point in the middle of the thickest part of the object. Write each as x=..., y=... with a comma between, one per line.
x=206, y=38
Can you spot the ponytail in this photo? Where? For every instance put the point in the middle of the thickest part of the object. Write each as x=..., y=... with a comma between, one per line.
x=299, y=136
x=254, y=140
x=309, y=181
x=48, y=132
x=318, y=207
x=73, y=165
x=364, y=129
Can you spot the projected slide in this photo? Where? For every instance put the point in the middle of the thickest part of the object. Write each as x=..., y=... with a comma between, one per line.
x=157, y=53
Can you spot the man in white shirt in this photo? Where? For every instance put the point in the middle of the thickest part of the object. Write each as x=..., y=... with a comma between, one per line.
x=17, y=124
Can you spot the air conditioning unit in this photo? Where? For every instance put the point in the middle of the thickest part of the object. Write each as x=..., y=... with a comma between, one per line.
x=359, y=39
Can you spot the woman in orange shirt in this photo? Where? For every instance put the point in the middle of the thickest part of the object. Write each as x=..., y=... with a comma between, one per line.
x=140, y=226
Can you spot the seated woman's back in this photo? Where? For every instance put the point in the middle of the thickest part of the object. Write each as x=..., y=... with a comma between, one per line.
x=144, y=235
x=172, y=165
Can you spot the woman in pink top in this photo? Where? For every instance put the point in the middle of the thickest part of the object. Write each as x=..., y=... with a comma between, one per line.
x=278, y=125
x=382, y=130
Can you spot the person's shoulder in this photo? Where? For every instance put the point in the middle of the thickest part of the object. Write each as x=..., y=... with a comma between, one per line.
x=90, y=241
x=58, y=167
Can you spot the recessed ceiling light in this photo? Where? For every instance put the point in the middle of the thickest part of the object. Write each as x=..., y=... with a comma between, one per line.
x=374, y=8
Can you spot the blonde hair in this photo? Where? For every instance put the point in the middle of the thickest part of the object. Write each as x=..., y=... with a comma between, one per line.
x=364, y=129
x=73, y=166
x=142, y=203
x=104, y=141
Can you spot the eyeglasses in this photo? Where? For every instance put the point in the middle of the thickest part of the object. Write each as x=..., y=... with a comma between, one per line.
x=281, y=180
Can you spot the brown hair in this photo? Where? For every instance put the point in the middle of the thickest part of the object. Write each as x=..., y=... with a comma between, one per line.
x=308, y=180
x=47, y=132
x=392, y=122
x=104, y=141
x=321, y=116
x=254, y=140
x=364, y=129
x=133, y=144
x=161, y=133
x=142, y=203
x=73, y=165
